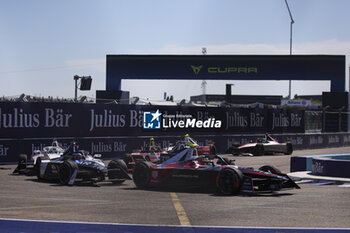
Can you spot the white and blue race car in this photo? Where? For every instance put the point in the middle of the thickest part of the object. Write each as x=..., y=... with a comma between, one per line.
x=79, y=166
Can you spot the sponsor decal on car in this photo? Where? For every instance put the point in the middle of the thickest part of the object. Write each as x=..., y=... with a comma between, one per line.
x=185, y=176
x=154, y=174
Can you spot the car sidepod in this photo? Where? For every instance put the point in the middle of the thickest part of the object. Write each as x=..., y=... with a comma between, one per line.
x=177, y=175
x=94, y=170
x=192, y=176
x=49, y=170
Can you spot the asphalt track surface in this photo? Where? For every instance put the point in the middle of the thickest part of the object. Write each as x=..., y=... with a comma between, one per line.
x=314, y=206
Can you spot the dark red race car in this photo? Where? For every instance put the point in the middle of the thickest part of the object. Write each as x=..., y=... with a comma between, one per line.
x=206, y=150
x=187, y=168
x=155, y=154
x=149, y=153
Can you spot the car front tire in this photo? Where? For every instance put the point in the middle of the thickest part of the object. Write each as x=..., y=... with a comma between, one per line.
x=66, y=171
x=229, y=181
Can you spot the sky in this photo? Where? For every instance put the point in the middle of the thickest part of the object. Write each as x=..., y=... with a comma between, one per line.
x=44, y=43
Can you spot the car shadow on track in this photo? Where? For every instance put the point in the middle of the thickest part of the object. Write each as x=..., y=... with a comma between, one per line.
x=174, y=189
x=210, y=191
x=270, y=194
x=78, y=184
x=258, y=156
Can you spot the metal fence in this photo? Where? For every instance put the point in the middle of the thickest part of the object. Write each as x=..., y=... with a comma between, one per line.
x=326, y=121
x=313, y=121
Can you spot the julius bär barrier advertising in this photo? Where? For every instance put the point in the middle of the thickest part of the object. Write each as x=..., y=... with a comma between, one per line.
x=38, y=120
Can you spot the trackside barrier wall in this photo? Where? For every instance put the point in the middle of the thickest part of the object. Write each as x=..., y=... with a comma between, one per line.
x=39, y=120
x=114, y=130
x=331, y=164
x=335, y=166
x=112, y=147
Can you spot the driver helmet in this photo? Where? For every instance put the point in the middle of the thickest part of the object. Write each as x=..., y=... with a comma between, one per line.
x=77, y=156
x=187, y=138
x=189, y=141
x=151, y=142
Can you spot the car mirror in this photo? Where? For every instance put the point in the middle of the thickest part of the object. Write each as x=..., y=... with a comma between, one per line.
x=97, y=155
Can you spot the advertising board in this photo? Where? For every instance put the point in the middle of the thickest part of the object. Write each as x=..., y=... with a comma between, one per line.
x=39, y=120
x=226, y=67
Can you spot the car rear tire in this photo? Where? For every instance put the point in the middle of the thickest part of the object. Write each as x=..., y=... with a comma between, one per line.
x=289, y=149
x=269, y=168
x=259, y=150
x=117, y=164
x=141, y=174
x=66, y=171
x=37, y=166
x=22, y=161
x=229, y=181
x=21, y=165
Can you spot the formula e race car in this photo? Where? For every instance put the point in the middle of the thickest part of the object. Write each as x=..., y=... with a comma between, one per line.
x=150, y=152
x=155, y=154
x=78, y=165
x=187, y=169
x=187, y=141
x=262, y=146
x=49, y=152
